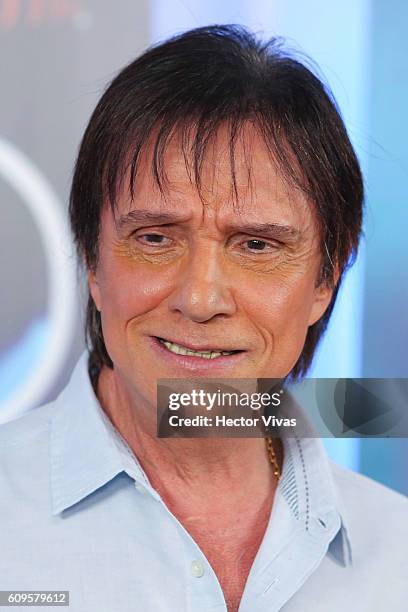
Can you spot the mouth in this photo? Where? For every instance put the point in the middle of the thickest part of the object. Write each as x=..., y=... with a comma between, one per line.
x=207, y=353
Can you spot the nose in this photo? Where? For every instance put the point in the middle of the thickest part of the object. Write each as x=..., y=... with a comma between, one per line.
x=202, y=290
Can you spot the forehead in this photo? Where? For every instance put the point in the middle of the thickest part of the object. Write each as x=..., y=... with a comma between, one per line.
x=233, y=179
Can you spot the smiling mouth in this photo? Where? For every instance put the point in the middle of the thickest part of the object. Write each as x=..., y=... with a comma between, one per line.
x=179, y=349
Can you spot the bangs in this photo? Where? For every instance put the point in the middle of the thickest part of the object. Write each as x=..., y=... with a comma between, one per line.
x=196, y=139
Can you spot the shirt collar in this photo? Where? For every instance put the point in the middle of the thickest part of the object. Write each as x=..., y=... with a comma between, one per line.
x=308, y=485
x=86, y=452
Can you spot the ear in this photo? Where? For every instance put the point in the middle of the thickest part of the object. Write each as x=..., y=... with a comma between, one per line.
x=322, y=298
x=323, y=295
x=94, y=288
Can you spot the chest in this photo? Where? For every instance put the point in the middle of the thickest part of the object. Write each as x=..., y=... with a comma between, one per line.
x=230, y=548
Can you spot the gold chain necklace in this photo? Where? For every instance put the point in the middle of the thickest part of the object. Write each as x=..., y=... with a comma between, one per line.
x=272, y=458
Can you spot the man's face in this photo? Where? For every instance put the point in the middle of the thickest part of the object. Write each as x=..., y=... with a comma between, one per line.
x=232, y=286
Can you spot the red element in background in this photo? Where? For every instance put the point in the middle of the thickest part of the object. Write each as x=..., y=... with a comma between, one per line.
x=35, y=13
x=10, y=10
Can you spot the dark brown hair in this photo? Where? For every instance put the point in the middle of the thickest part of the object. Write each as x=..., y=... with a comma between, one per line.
x=192, y=84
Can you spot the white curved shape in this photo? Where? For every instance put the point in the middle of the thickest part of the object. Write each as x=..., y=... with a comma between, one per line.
x=46, y=210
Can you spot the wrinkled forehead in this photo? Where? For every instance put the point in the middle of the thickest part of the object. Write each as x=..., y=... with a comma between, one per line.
x=235, y=174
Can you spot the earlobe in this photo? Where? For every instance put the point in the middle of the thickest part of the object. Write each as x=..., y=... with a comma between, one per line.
x=94, y=288
x=323, y=296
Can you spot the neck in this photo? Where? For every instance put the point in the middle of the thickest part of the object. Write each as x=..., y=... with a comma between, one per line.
x=199, y=467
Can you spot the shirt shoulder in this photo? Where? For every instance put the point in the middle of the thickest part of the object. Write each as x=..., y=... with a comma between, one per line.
x=27, y=428
x=357, y=487
x=25, y=473
x=376, y=517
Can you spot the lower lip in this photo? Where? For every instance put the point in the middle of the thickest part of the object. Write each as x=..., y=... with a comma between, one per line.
x=196, y=364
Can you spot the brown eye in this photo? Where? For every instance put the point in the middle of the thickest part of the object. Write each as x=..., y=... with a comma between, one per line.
x=153, y=238
x=256, y=245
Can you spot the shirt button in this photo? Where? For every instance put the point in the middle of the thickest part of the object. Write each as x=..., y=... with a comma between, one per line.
x=197, y=569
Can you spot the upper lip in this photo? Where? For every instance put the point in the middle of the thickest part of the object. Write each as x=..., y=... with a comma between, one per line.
x=207, y=346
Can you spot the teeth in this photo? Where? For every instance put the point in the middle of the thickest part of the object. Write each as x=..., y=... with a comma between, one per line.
x=182, y=350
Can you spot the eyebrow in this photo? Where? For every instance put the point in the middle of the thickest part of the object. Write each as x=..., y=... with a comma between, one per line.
x=141, y=216
x=272, y=230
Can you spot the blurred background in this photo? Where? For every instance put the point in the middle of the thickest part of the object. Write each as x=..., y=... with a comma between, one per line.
x=56, y=57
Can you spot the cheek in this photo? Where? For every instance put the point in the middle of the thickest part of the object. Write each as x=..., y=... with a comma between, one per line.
x=287, y=302
x=280, y=308
x=131, y=291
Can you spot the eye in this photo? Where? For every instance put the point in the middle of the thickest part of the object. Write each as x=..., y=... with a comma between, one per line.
x=153, y=239
x=255, y=244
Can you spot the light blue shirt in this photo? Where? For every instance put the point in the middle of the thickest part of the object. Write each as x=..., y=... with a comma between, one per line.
x=78, y=513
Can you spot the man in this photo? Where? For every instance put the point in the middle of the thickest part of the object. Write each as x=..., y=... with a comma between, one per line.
x=216, y=204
